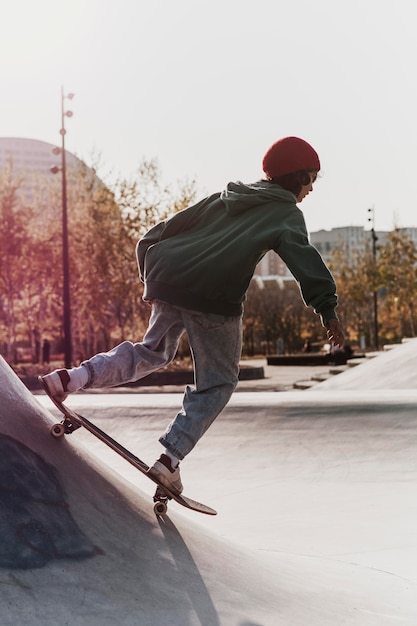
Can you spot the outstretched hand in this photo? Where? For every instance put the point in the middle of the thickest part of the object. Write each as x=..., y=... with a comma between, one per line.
x=335, y=333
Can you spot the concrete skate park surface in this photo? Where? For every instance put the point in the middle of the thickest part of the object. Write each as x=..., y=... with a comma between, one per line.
x=315, y=492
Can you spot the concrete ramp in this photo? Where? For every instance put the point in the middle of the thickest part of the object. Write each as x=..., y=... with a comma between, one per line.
x=322, y=487
x=393, y=369
x=80, y=546
x=316, y=495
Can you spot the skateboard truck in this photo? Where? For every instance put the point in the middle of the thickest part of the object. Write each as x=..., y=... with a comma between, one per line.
x=161, y=500
x=65, y=427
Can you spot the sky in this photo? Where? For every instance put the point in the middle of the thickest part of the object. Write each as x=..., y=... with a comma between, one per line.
x=205, y=87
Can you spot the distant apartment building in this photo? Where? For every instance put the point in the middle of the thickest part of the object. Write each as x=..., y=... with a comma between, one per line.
x=352, y=239
x=349, y=239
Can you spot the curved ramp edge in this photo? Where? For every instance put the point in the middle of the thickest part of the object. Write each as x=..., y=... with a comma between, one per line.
x=80, y=545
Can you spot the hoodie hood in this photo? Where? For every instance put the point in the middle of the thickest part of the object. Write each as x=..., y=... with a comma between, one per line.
x=239, y=198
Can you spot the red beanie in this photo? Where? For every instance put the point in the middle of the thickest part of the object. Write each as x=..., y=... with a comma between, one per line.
x=288, y=155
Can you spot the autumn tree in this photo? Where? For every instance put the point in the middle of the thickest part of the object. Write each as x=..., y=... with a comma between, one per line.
x=40, y=302
x=398, y=272
x=12, y=238
x=357, y=279
x=274, y=309
x=146, y=200
x=106, y=223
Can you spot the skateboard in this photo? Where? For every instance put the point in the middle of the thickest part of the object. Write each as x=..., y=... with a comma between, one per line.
x=72, y=421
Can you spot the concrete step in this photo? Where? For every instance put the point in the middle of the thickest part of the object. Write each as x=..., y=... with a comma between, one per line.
x=338, y=370
x=304, y=384
x=356, y=362
x=319, y=378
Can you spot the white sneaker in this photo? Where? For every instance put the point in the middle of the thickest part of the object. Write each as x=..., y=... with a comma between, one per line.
x=163, y=472
x=57, y=384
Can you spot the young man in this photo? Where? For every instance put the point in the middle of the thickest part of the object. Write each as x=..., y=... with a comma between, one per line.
x=196, y=268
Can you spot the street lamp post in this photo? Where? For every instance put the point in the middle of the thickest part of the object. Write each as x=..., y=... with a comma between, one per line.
x=65, y=249
x=375, y=293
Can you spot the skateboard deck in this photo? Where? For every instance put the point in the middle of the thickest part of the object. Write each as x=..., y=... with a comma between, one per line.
x=73, y=421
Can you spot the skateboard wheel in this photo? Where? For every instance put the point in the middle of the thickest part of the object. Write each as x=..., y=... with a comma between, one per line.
x=58, y=430
x=160, y=508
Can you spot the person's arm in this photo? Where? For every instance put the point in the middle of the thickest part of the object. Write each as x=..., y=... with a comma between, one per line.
x=315, y=280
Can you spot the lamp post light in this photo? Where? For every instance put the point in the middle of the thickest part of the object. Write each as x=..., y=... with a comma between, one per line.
x=375, y=293
x=65, y=250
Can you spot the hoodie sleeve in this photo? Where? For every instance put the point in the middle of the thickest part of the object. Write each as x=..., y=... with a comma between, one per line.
x=316, y=283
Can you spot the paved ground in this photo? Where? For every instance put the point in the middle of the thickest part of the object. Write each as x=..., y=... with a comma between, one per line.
x=315, y=492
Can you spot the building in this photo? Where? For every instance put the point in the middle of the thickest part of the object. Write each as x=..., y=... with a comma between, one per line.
x=350, y=239
x=33, y=165
x=31, y=155
x=30, y=161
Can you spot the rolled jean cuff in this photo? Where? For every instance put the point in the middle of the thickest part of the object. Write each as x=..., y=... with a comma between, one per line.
x=169, y=447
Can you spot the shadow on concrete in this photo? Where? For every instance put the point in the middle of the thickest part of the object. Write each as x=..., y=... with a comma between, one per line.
x=36, y=525
x=197, y=591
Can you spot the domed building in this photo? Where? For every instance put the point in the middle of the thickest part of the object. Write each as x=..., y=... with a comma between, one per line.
x=29, y=161
x=29, y=156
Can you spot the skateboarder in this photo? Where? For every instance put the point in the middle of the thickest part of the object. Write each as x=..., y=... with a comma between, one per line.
x=196, y=268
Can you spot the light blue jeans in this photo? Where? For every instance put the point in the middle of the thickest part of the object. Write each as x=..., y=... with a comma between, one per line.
x=215, y=342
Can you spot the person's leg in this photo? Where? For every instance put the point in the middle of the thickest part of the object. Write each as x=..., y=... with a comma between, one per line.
x=131, y=361
x=215, y=343
x=128, y=361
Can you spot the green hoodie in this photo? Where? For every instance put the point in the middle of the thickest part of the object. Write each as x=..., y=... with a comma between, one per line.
x=204, y=257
